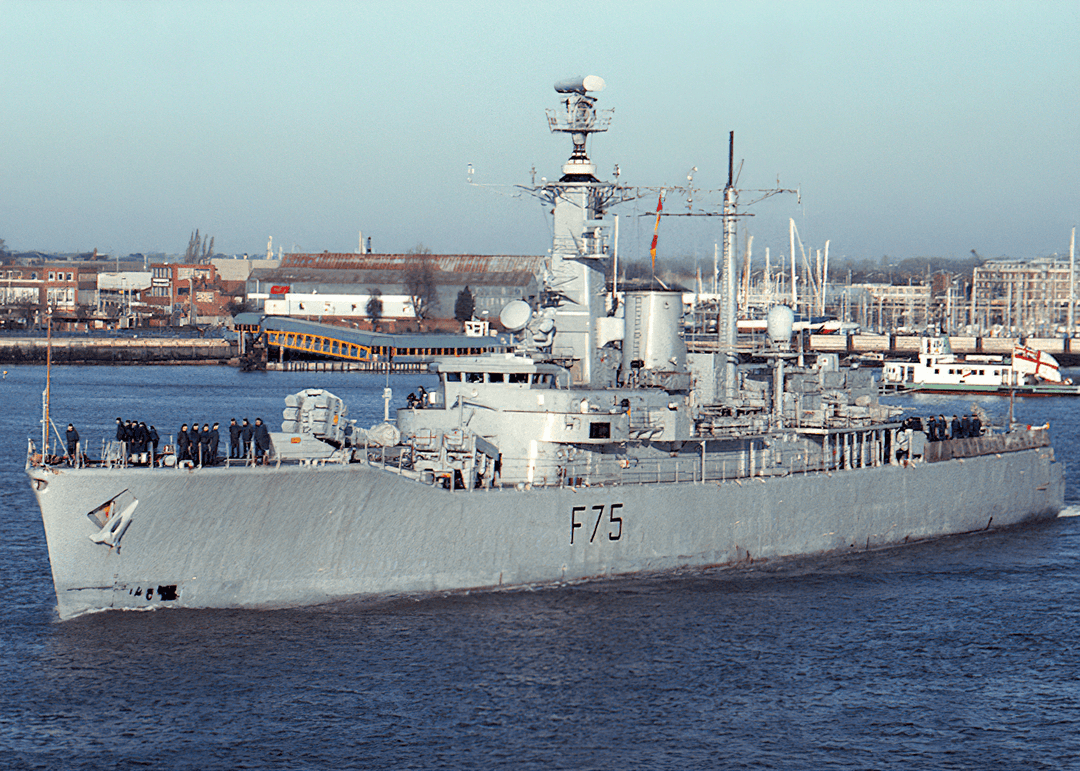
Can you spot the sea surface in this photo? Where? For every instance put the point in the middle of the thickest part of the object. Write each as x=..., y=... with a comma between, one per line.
x=962, y=653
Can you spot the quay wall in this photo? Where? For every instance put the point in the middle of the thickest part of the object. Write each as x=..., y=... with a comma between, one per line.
x=219, y=351
x=118, y=351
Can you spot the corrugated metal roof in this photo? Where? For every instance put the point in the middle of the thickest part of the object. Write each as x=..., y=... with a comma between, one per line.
x=389, y=270
x=387, y=278
x=449, y=263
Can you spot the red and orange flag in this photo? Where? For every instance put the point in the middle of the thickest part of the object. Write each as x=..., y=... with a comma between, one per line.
x=656, y=229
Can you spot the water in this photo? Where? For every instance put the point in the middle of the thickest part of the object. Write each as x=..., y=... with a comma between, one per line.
x=962, y=653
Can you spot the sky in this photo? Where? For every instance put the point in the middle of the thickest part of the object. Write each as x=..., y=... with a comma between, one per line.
x=909, y=129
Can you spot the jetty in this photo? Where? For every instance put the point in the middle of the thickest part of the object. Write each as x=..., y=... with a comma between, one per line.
x=118, y=350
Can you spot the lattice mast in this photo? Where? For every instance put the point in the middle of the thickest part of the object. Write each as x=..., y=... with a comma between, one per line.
x=579, y=247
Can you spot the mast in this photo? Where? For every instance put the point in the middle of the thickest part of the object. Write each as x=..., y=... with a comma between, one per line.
x=716, y=268
x=1072, y=282
x=791, y=242
x=745, y=289
x=768, y=280
x=727, y=303
x=615, y=261
x=825, y=280
x=579, y=252
x=819, y=302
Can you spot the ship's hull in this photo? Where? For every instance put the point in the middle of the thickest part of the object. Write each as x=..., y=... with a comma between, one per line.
x=304, y=535
x=1041, y=389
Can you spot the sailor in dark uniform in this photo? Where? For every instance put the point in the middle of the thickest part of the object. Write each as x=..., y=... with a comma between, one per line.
x=140, y=436
x=976, y=426
x=205, y=458
x=965, y=426
x=246, y=433
x=72, y=444
x=262, y=439
x=154, y=439
x=234, y=439
x=215, y=442
x=183, y=444
x=195, y=446
x=957, y=428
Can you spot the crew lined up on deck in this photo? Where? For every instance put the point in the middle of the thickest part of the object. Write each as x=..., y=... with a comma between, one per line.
x=140, y=441
x=201, y=447
x=938, y=428
x=197, y=446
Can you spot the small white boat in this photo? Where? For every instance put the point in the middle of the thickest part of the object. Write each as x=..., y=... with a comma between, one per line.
x=1027, y=372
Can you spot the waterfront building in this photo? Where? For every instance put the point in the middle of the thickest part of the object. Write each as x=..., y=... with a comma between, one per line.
x=337, y=286
x=1030, y=296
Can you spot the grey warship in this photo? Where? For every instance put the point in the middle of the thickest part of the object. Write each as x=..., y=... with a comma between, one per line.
x=598, y=448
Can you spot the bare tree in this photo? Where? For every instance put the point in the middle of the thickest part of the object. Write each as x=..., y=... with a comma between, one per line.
x=193, y=247
x=419, y=280
x=200, y=249
x=465, y=305
x=237, y=304
x=374, y=307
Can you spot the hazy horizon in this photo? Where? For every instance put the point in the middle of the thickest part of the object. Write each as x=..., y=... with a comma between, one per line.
x=911, y=129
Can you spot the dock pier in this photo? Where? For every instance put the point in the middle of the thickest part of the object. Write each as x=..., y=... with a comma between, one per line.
x=123, y=350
